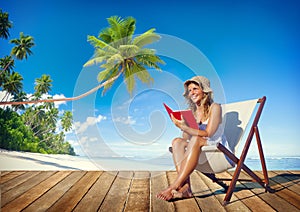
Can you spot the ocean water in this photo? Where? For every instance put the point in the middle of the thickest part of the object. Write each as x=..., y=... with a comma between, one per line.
x=166, y=163
x=275, y=163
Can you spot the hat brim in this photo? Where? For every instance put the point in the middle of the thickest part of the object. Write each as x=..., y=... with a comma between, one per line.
x=206, y=90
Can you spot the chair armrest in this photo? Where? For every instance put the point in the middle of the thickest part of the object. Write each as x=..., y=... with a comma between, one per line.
x=212, y=148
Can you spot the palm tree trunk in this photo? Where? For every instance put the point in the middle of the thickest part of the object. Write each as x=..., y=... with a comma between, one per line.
x=68, y=98
x=6, y=66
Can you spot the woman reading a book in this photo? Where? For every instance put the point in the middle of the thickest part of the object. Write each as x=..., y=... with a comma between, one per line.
x=186, y=149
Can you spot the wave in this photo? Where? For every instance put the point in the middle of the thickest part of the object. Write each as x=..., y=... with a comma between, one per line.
x=276, y=158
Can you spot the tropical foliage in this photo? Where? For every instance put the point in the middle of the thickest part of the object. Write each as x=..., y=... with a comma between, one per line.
x=118, y=53
x=37, y=127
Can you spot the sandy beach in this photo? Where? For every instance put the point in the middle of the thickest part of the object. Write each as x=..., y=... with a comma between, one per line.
x=12, y=160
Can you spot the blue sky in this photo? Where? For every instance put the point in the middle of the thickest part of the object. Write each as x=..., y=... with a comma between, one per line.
x=249, y=49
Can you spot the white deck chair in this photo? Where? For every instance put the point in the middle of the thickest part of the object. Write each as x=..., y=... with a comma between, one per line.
x=216, y=159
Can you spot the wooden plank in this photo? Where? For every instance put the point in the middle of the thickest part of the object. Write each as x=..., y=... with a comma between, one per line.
x=25, y=199
x=203, y=195
x=74, y=195
x=158, y=182
x=55, y=193
x=115, y=199
x=17, y=181
x=139, y=193
x=218, y=191
x=2, y=173
x=135, y=191
x=189, y=204
x=25, y=186
x=271, y=199
x=291, y=175
x=287, y=179
x=244, y=194
x=9, y=175
x=95, y=196
x=290, y=196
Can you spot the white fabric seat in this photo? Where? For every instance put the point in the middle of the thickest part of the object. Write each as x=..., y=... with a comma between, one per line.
x=236, y=117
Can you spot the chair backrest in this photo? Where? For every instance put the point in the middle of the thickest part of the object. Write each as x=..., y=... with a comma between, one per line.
x=236, y=117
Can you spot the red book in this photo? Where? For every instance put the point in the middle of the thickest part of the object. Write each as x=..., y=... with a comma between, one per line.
x=186, y=114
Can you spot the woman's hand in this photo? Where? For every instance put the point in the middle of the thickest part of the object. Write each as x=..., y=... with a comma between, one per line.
x=179, y=123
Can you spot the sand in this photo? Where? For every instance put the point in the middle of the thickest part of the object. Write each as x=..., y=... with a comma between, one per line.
x=12, y=160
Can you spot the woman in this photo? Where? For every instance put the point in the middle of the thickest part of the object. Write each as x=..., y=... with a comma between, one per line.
x=186, y=150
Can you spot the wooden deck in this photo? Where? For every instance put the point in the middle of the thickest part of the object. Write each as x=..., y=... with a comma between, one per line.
x=135, y=191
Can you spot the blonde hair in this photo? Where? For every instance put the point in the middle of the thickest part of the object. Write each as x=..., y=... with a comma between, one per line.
x=206, y=101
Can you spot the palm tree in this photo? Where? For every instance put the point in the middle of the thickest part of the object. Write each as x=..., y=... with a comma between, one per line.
x=43, y=84
x=13, y=85
x=66, y=120
x=23, y=45
x=118, y=53
x=7, y=62
x=22, y=48
x=21, y=96
x=5, y=25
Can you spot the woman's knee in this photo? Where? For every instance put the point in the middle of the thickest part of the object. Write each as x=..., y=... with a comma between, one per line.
x=178, y=142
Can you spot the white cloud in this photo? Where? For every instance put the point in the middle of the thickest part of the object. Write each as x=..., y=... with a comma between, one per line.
x=7, y=98
x=46, y=96
x=124, y=120
x=59, y=96
x=81, y=127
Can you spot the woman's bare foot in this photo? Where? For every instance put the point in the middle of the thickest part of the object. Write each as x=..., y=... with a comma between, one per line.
x=166, y=194
x=186, y=191
x=171, y=193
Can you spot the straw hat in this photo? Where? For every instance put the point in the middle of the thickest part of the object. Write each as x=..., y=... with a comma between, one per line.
x=203, y=82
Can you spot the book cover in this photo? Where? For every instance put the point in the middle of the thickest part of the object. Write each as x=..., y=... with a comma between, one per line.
x=186, y=114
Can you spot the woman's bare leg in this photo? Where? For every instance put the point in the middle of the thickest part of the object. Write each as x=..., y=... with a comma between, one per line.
x=190, y=159
x=179, y=146
x=186, y=167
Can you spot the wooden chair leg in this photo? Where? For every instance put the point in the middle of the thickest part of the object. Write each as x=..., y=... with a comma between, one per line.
x=262, y=157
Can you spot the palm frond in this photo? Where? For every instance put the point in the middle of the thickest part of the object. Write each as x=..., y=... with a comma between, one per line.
x=128, y=26
x=145, y=77
x=114, y=60
x=146, y=38
x=150, y=60
x=115, y=23
x=128, y=51
x=142, y=74
x=105, y=35
x=97, y=43
x=94, y=61
x=100, y=52
x=106, y=75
